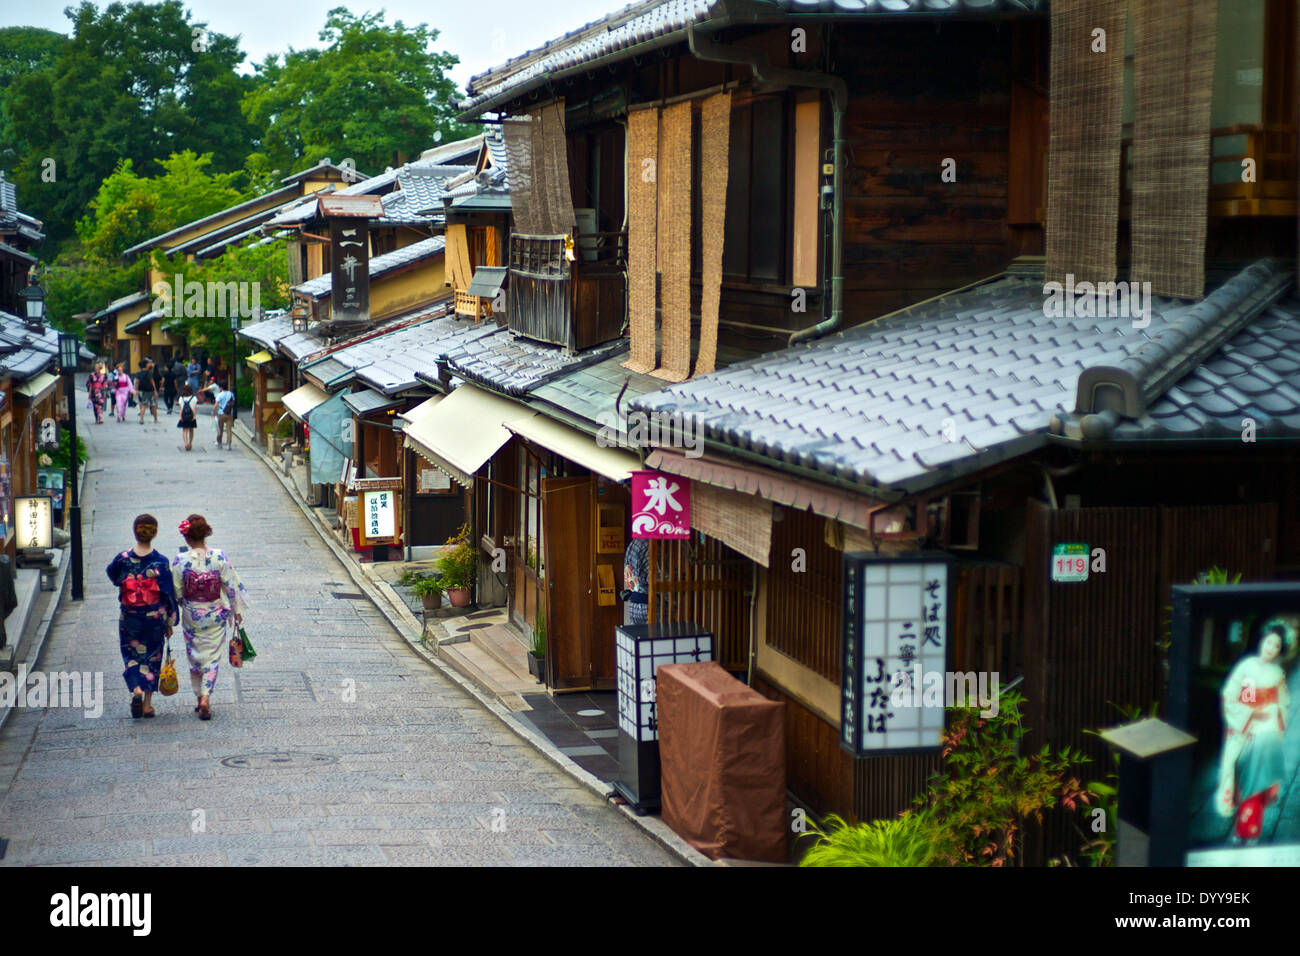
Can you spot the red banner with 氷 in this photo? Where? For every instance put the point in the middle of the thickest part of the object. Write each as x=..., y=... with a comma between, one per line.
x=661, y=506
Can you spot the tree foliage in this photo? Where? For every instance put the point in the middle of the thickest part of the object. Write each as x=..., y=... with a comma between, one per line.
x=136, y=82
x=986, y=791
x=127, y=209
x=374, y=93
x=264, y=263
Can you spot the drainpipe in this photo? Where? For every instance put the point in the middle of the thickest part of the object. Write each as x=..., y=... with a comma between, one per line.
x=766, y=73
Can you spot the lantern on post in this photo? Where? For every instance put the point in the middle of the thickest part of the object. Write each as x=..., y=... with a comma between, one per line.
x=34, y=305
x=69, y=351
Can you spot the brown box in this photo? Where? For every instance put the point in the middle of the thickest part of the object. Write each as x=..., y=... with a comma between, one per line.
x=722, y=753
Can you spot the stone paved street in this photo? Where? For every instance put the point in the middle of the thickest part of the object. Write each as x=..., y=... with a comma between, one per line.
x=338, y=745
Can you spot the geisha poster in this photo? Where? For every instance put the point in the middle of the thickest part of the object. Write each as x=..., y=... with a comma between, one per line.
x=1242, y=703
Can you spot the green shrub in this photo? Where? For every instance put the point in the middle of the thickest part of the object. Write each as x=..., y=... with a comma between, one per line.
x=904, y=841
x=459, y=566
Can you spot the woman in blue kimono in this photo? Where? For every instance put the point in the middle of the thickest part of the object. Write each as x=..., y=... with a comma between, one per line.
x=148, y=599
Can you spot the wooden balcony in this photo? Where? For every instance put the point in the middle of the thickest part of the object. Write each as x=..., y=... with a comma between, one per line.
x=575, y=303
x=1274, y=191
x=472, y=306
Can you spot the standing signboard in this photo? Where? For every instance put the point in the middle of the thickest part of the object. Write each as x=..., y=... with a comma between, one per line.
x=380, y=504
x=897, y=618
x=1233, y=656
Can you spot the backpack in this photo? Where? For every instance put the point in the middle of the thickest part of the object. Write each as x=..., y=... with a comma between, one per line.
x=188, y=417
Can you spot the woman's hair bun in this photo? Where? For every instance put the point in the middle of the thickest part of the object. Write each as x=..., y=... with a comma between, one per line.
x=199, y=528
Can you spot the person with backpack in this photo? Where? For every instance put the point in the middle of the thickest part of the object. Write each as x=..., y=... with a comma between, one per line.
x=189, y=419
x=223, y=408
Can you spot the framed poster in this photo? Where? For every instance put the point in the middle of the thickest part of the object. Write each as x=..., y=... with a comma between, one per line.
x=431, y=481
x=1234, y=657
x=51, y=481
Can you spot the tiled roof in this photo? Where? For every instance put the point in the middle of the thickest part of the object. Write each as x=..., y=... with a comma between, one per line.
x=24, y=353
x=320, y=286
x=942, y=388
x=420, y=352
x=515, y=366
x=591, y=393
x=269, y=332
x=666, y=21
x=1255, y=376
x=279, y=199
x=421, y=188
x=8, y=250
x=127, y=300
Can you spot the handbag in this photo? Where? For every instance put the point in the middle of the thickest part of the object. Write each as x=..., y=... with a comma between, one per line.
x=168, y=683
x=246, y=646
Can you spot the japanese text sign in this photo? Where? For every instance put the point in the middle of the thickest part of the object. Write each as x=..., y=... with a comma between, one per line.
x=896, y=623
x=379, y=514
x=661, y=506
x=34, y=521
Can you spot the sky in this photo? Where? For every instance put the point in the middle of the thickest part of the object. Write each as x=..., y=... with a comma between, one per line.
x=483, y=33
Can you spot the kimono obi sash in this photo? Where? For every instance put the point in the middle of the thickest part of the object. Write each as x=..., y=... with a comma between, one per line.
x=1258, y=696
x=140, y=592
x=202, y=585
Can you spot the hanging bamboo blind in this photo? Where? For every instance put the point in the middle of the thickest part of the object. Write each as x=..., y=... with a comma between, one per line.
x=741, y=522
x=1173, y=77
x=715, y=145
x=642, y=225
x=540, y=196
x=675, y=242
x=1087, y=110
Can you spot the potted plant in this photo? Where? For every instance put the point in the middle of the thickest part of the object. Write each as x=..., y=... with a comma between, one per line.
x=458, y=567
x=429, y=587
x=537, y=656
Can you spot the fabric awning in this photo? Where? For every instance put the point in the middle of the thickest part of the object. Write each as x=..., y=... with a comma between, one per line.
x=463, y=431
x=614, y=463
x=258, y=359
x=303, y=399
x=36, y=387
x=855, y=510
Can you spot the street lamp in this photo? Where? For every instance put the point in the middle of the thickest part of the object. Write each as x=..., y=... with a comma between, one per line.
x=234, y=372
x=34, y=303
x=69, y=351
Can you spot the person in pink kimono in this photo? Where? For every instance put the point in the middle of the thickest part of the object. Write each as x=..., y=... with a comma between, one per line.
x=124, y=388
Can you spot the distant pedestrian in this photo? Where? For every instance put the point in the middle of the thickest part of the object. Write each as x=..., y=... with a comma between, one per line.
x=169, y=387
x=189, y=419
x=202, y=578
x=148, y=599
x=122, y=390
x=223, y=409
x=192, y=375
x=146, y=388
x=97, y=385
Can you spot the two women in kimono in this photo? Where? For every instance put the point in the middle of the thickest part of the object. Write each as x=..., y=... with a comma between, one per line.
x=154, y=594
x=1256, y=704
x=202, y=577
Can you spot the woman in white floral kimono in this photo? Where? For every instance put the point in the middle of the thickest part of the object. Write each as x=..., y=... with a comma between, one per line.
x=203, y=577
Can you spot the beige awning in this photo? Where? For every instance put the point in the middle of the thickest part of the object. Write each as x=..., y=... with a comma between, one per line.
x=614, y=463
x=303, y=399
x=464, y=430
x=35, y=388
